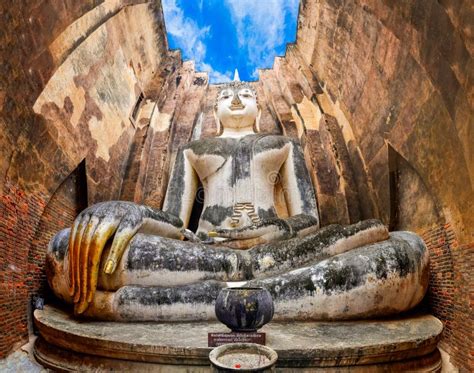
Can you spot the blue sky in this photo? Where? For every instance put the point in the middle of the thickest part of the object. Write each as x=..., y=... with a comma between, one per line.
x=222, y=35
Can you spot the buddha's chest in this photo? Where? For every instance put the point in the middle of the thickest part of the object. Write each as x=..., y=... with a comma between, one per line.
x=239, y=161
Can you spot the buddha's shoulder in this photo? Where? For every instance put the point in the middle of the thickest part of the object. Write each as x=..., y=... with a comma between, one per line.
x=210, y=145
x=226, y=146
x=269, y=142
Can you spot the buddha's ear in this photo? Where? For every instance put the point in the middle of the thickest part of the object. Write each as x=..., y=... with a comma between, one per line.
x=219, y=128
x=256, y=126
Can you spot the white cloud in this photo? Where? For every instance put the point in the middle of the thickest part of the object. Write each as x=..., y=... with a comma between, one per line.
x=261, y=26
x=188, y=35
x=216, y=76
x=190, y=38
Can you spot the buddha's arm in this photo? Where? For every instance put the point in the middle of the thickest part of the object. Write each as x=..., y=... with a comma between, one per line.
x=122, y=220
x=299, y=191
x=182, y=188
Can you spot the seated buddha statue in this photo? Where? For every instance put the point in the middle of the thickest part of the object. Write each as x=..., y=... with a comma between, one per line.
x=130, y=262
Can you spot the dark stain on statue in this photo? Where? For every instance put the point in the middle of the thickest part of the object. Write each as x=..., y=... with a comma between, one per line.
x=269, y=142
x=215, y=146
x=403, y=263
x=309, y=249
x=305, y=187
x=176, y=186
x=156, y=296
x=301, y=221
x=341, y=279
x=216, y=214
x=59, y=244
x=381, y=267
x=174, y=256
x=267, y=214
x=241, y=159
x=309, y=286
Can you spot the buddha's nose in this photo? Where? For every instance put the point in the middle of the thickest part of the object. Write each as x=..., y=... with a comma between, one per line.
x=236, y=100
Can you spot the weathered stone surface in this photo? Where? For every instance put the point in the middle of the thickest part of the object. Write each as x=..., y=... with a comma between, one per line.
x=335, y=273
x=338, y=344
x=389, y=72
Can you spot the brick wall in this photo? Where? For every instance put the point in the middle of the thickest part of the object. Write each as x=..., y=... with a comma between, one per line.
x=20, y=214
x=28, y=222
x=60, y=212
x=461, y=343
x=449, y=292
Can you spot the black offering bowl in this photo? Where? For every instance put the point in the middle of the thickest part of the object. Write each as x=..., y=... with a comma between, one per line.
x=244, y=309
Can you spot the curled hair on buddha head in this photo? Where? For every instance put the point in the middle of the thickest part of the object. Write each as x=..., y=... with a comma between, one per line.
x=236, y=85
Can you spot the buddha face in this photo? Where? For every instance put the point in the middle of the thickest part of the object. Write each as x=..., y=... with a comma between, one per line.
x=237, y=107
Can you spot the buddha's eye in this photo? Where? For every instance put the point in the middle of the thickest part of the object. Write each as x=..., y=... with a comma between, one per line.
x=224, y=95
x=246, y=94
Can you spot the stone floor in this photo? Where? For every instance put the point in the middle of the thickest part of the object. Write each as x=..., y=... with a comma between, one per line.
x=21, y=361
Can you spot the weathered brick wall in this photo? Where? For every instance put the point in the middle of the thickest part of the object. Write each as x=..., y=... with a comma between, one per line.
x=28, y=222
x=449, y=293
x=20, y=214
x=461, y=346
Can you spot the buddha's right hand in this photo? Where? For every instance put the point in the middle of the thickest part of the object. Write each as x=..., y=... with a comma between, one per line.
x=92, y=229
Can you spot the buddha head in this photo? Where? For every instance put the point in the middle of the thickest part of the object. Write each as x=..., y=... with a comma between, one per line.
x=237, y=108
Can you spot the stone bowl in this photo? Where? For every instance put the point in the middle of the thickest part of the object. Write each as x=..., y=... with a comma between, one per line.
x=243, y=357
x=244, y=309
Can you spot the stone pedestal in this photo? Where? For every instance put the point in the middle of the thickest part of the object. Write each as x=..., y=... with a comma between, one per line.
x=404, y=344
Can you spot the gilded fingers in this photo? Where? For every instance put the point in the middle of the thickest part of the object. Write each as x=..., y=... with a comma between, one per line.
x=98, y=242
x=71, y=262
x=80, y=298
x=75, y=253
x=90, y=233
x=122, y=237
